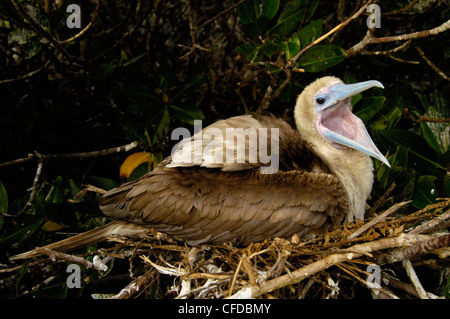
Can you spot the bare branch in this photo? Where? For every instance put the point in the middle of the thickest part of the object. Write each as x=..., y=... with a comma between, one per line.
x=80, y=155
x=139, y=18
x=55, y=255
x=371, y=39
x=26, y=76
x=220, y=14
x=431, y=64
x=404, y=9
x=423, y=118
x=33, y=188
x=415, y=35
x=43, y=158
x=193, y=31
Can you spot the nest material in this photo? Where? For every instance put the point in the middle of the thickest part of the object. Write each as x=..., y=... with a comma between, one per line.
x=355, y=259
x=361, y=253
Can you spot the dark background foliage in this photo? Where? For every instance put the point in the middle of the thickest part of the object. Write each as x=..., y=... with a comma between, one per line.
x=146, y=67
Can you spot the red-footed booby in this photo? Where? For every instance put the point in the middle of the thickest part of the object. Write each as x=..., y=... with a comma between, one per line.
x=323, y=174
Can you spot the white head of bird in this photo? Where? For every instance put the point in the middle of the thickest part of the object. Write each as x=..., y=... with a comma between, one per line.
x=323, y=117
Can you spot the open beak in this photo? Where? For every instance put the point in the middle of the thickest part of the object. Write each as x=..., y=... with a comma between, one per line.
x=339, y=126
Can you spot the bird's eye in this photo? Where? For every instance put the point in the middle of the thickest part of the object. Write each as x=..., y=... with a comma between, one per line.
x=320, y=100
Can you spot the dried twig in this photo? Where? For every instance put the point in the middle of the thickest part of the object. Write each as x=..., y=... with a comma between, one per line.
x=377, y=219
x=438, y=223
x=136, y=285
x=26, y=76
x=381, y=201
x=55, y=255
x=238, y=269
x=414, y=279
x=139, y=18
x=414, y=251
x=404, y=9
x=33, y=188
x=220, y=14
x=423, y=118
x=431, y=64
x=193, y=30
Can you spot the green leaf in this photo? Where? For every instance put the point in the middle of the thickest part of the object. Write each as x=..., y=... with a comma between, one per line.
x=446, y=288
x=293, y=45
x=436, y=106
x=321, y=57
x=58, y=291
x=446, y=186
x=191, y=86
x=3, y=199
x=73, y=188
x=290, y=18
x=399, y=158
x=386, y=121
x=269, y=48
x=21, y=36
x=138, y=172
x=23, y=232
x=292, y=15
x=249, y=50
x=430, y=138
x=250, y=10
x=134, y=59
x=103, y=182
x=158, y=125
x=310, y=33
x=187, y=114
x=31, y=42
x=56, y=193
x=256, y=28
x=313, y=4
x=420, y=154
x=368, y=107
x=425, y=192
x=19, y=275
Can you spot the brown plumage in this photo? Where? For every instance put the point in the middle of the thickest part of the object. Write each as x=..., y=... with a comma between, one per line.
x=199, y=204
x=235, y=202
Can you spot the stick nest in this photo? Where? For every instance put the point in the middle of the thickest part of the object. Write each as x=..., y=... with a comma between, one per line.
x=377, y=258
x=356, y=256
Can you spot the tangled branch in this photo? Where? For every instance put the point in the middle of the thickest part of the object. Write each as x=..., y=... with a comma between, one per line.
x=43, y=158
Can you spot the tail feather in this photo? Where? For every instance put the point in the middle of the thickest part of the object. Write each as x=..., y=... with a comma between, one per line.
x=90, y=237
